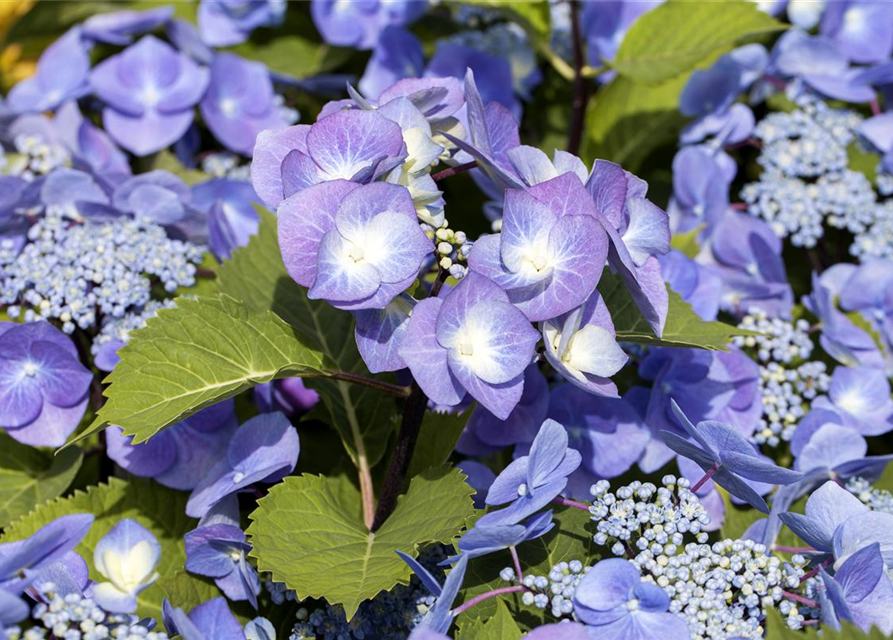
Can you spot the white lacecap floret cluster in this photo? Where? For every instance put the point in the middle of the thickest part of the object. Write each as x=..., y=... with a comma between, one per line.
x=34, y=157
x=76, y=617
x=452, y=248
x=787, y=388
x=872, y=497
x=74, y=271
x=555, y=591
x=121, y=328
x=225, y=164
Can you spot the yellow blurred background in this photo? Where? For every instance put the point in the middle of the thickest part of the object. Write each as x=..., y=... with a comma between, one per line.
x=13, y=65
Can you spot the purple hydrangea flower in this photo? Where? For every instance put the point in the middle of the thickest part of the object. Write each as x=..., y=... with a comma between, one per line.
x=74, y=193
x=289, y=395
x=439, y=618
x=357, y=247
x=223, y=23
x=239, y=102
x=863, y=30
x=861, y=395
x=360, y=24
x=582, y=346
x=551, y=251
x=860, y=591
x=701, y=184
x=605, y=25
x=350, y=145
x=127, y=556
x=232, y=218
x=264, y=449
x=91, y=148
x=470, y=340
x=397, y=55
x=454, y=60
x=119, y=27
x=878, y=131
x=486, y=539
x=149, y=90
x=43, y=386
x=211, y=620
x=62, y=75
x=164, y=199
x=531, y=482
x=479, y=477
x=826, y=509
x=613, y=598
x=564, y=630
x=219, y=551
x=379, y=333
x=728, y=458
x=179, y=457
x=698, y=286
x=867, y=289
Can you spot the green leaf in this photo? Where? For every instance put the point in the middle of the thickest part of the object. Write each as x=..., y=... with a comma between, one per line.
x=309, y=533
x=29, y=477
x=683, y=327
x=162, y=511
x=678, y=36
x=187, y=591
x=570, y=539
x=627, y=121
x=531, y=15
x=865, y=162
x=364, y=417
x=194, y=355
x=777, y=629
x=500, y=626
x=687, y=243
x=438, y=437
x=167, y=161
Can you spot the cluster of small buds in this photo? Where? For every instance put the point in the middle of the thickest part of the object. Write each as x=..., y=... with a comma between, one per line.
x=787, y=394
x=642, y=518
x=877, y=239
x=884, y=182
x=225, y=164
x=780, y=340
x=391, y=615
x=76, y=617
x=555, y=590
x=73, y=272
x=34, y=157
x=452, y=248
x=875, y=499
x=723, y=590
x=120, y=328
x=805, y=179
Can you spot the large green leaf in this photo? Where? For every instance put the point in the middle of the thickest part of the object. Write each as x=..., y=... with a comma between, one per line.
x=500, y=626
x=162, y=511
x=29, y=477
x=194, y=355
x=684, y=328
x=777, y=629
x=438, y=437
x=364, y=417
x=309, y=533
x=678, y=36
x=627, y=121
x=570, y=539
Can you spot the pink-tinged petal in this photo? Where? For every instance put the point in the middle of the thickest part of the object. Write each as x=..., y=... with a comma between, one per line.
x=565, y=195
x=473, y=289
x=526, y=225
x=339, y=276
x=426, y=359
x=498, y=399
x=303, y=220
x=648, y=232
x=349, y=142
x=396, y=246
x=147, y=134
x=577, y=250
x=359, y=208
x=497, y=343
x=270, y=150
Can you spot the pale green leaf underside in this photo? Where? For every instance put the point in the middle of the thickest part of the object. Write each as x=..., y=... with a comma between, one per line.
x=309, y=534
x=162, y=511
x=192, y=356
x=30, y=477
x=678, y=36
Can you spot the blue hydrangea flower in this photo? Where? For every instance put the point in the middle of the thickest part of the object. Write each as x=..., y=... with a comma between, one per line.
x=826, y=509
x=164, y=199
x=701, y=180
x=232, y=218
x=470, y=340
x=551, y=251
x=613, y=598
x=493, y=71
x=439, y=618
x=397, y=55
x=211, y=620
x=239, y=103
x=264, y=449
x=223, y=23
x=861, y=396
x=379, y=333
x=149, y=90
x=219, y=551
x=697, y=285
x=119, y=27
x=484, y=539
x=860, y=591
x=531, y=482
x=862, y=30
x=43, y=385
x=126, y=556
x=354, y=246
x=181, y=456
x=62, y=75
x=360, y=24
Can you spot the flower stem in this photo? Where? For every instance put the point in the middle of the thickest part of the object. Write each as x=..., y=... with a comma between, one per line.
x=798, y=598
x=814, y=571
x=517, y=562
x=465, y=606
x=452, y=171
x=570, y=503
x=707, y=476
x=581, y=85
x=372, y=383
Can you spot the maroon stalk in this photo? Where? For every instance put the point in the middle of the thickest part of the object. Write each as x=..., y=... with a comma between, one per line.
x=581, y=88
x=707, y=476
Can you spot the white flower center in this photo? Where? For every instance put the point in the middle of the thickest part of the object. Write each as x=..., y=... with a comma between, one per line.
x=522, y=489
x=30, y=369
x=238, y=476
x=632, y=605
